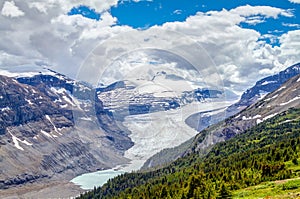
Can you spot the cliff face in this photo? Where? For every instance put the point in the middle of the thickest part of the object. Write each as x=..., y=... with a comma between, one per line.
x=282, y=99
x=51, y=128
x=21, y=104
x=263, y=87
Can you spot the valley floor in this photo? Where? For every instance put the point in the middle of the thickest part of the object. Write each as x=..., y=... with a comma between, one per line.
x=62, y=189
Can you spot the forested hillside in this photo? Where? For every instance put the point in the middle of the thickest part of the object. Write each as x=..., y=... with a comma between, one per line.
x=267, y=152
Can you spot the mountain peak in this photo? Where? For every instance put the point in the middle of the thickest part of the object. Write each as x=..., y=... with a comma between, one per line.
x=263, y=87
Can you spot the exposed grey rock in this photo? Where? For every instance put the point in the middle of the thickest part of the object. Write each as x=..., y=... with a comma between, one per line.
x=287, y=96
x=262, y=88
x=43, y=134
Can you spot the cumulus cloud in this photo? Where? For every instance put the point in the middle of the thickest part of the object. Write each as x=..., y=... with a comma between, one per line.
x=11, y=10
x=239, y=54
x=44, y=6
x=295, y=1
x=46, y=34
x=261, y=10
x=290, y=47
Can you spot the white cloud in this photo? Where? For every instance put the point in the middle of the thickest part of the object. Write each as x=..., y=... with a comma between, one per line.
x=295, y=1
x=291, y=25
x=11, y=10
x=272, y=38
x=290, y=47
x=257, y=14
x=261, y=10
x=153, y=38
x=177, y=12
x=239, y=54
x=40, y=6
x=46, y=34
x=44, y=6
x=253, y=20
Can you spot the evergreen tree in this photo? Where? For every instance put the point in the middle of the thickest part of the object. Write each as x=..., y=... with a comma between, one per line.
x=224, y=192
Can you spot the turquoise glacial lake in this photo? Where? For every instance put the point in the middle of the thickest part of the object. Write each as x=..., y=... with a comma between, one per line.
x=90, y=180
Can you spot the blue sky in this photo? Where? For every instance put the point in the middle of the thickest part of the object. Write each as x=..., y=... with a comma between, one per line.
x=145, y=14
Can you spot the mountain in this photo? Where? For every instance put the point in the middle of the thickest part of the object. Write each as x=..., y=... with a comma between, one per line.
x=58, y=128
x=154, y=109
x=232, y=126
x=84, y=98
x=262, y=88
x=201, y=120
x=53, y=128
x=134, y=97
x=263, y=149
x=287, y=96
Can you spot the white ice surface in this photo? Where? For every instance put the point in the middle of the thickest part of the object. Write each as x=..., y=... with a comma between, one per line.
x=46, y=134
x=270, y=116
x=154, y=132
x=151, y=133
x=275, y=96
x=26, y=72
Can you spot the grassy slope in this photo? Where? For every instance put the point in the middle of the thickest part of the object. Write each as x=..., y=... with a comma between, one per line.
x=279, y=189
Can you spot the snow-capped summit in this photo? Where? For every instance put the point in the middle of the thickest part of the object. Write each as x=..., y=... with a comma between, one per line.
x=160, y=93
x=28, y=71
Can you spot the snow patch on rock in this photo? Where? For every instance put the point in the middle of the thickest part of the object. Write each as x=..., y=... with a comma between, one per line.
x=268, y=82
x=290, y=101
x=17, y=141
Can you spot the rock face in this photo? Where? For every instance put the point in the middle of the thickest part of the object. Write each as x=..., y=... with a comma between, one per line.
x=21, y=104
x=200, y=121
x=84, y=104
x=54, y=127
x=285, y=97
x=126, y=98
x=262, y=88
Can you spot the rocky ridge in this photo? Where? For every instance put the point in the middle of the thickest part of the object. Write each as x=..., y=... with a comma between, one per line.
x=49, y=128
x=282, y=99
x=202, y=120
